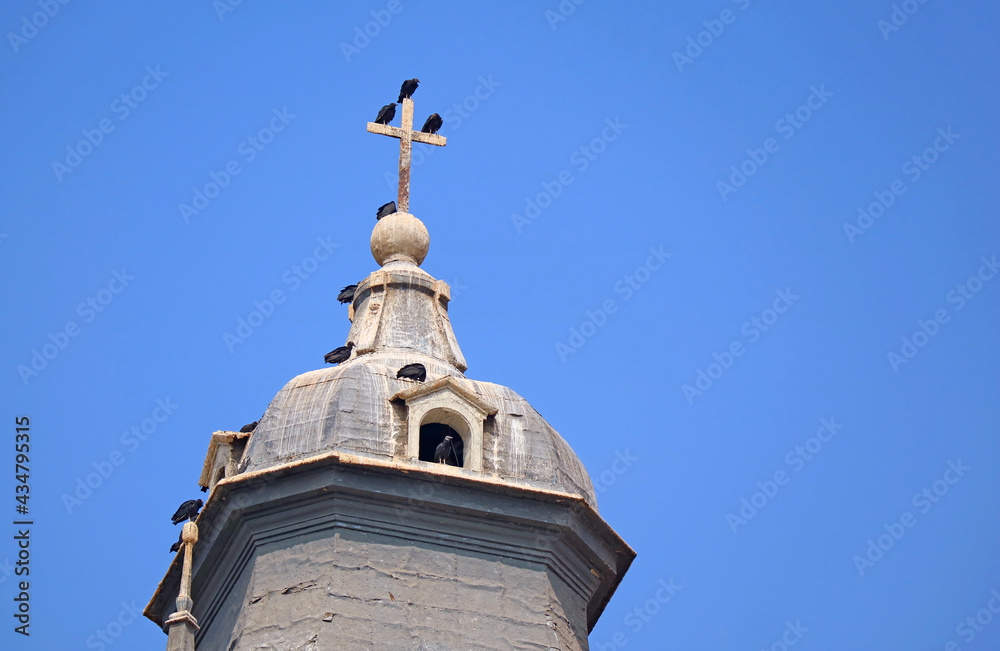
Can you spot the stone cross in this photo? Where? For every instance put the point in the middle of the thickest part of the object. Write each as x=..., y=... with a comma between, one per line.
x=406, y=135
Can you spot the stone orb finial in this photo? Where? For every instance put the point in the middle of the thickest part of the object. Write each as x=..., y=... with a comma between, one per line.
x=400, y=236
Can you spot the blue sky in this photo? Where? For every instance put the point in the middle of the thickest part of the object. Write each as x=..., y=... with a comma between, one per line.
x=740, y=254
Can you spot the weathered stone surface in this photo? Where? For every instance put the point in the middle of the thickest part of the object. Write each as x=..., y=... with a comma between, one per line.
x=348, y=409
x=386, y=596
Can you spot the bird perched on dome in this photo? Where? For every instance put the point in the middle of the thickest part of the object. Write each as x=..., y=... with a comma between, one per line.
x=408, y=88
x=338, y=355
x=186, y=511
x=386, y=114
x=385, y=210
x=432, y=124
x=412, y=372
x=249, y=427
x=346, y=295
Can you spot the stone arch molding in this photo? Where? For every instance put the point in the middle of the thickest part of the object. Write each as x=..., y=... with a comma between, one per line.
x=446, y=401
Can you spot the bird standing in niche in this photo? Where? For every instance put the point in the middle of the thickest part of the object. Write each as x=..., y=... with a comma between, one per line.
x=408, y=88
x=432, y=124
x=249, y=427
x=176, y=547
x=186, y=511
x=346, y=295
x=445, y=451
x=387, y=113
x=413, y=372
x=385, y=210
x=338, y=355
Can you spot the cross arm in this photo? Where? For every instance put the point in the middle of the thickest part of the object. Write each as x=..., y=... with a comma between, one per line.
x=416, y=136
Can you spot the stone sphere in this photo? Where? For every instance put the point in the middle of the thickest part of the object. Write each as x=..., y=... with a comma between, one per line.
x=400, y=236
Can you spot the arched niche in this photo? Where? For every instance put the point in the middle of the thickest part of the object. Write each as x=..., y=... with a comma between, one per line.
x=446, y=402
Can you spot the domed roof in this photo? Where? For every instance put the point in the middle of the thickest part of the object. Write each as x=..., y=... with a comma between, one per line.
x=348, y=408
x=399, y=316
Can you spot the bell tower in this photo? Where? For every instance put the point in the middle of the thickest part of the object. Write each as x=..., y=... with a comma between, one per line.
x=329, y=528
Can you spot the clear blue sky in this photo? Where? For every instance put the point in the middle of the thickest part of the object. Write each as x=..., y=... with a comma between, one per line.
x=745, y=162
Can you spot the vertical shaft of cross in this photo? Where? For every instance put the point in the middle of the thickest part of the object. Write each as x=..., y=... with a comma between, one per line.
x=405, y=144
x=407, y=136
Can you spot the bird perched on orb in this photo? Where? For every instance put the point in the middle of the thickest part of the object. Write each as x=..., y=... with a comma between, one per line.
x=385, y=210
x=432, y=124
x=176, y=547
x=249, y=427
x=346, y=295
x=408, y=88
x=338, y=355
x=445, y=451
x=186, y=511
x=412, y=372
x=386, y=114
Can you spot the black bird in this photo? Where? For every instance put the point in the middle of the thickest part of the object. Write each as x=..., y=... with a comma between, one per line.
x=186, y=511
x=413, y=372
x=338, y=355
x=385, y=210
x=346, y=295
x=445, y=452
x=408, y=88
x=204, y=489
x=176, y=547
x=246, y=429
x=387, y=113
x=432, y=124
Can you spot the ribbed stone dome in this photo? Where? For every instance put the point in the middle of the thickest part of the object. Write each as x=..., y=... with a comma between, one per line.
x=348, y=409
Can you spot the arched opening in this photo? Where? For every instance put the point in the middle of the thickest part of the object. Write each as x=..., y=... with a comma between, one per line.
x=432, y=435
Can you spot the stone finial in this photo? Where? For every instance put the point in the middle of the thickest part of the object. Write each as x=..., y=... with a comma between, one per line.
x=400, y=237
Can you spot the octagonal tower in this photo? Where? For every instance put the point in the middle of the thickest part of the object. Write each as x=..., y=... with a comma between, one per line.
x=329, y=527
